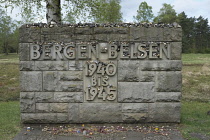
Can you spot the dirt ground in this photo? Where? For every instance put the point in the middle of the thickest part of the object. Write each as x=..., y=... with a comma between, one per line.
x=100, y=132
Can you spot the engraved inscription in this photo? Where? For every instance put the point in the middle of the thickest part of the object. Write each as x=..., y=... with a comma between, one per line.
x=100, y=81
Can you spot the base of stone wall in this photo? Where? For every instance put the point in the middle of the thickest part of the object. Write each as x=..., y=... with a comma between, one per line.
x=109, y=113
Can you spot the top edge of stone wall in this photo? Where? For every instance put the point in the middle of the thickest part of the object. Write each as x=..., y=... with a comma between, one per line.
x=40, y=32
x=146, y=25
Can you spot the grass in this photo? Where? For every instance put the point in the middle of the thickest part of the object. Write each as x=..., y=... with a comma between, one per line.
x=196, y=59
x=195, y=95
x=194, y=119
x=11, y=58
x=9, y=81
x=9, y=119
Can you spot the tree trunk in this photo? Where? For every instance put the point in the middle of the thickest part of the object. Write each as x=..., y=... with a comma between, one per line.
x=6, y=48
x=53, y=15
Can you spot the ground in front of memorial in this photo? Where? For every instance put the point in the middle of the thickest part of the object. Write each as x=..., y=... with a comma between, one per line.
x=195, y=122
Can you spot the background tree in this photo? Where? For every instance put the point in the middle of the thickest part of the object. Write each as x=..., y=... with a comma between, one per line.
x=106, y=11
x=70, y=18
x=166, y=14
x=144, y=13
x=81, y=9
x=6, y=29
x=201, y=34
x=53, y=7
x=188, y=37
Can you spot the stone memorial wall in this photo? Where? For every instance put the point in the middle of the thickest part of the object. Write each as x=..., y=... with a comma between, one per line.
x=100, y=74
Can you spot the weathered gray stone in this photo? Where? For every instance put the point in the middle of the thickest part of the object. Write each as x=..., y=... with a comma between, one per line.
x=164, y=112
x=58, y=107
x=51, y=65
x=176, y=50
x=62, y=118
x=169, y=81
x=118, y=37
x=26, y=65
x=100, y=112
x=84, y=31
x=76, y=65
x=38, y=117
x=84, y=38
x=50, y=81
x=128, y=71
x=27, y=95
x=135, y=92
x=31, y=81
x=147, y=76
x=74, y=113
x=57, y=30
x=58, y=90
x=168, y=96
x=58, y=38
x=134, y=117
x=111, y=37
x=42, y=107
x=161, y=65
x=101, y=37
x=27, y=102
x=111, y=30
x=172, y=34
x=146, y=34
x=138, y=34
x=68, y=97
x=64, y=81
x=57, y=34
x=70, y=75
x=24, y=52
x=134, y=107
x=44, y=97
x=29, y=35
x=27, y=105
x=71, y=86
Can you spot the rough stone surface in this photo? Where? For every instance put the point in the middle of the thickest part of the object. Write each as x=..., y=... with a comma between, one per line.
x=84, y=31
x=58, y=107
x=75, y=65
x=135, y=92
x=24, y=53
x=31, y=81
x=135, y=117
x=161, y=65
x=39, y=117
x=176, y=50
x=169, y=82
x=74, y=112
x=146, y=34
x=109, y=30
x=147, y=76
x=128, y=71
x=26, y=65
x=42, y=107
x=172, y=34
x=128, y=82
x=51, y=65
x=164, y=112
x=100, y=112
x=168, y=96
x=135, y=107
x=29, y=35
x=62, y=81
x=44, y=97
x=27, y=102
x=68, y=97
